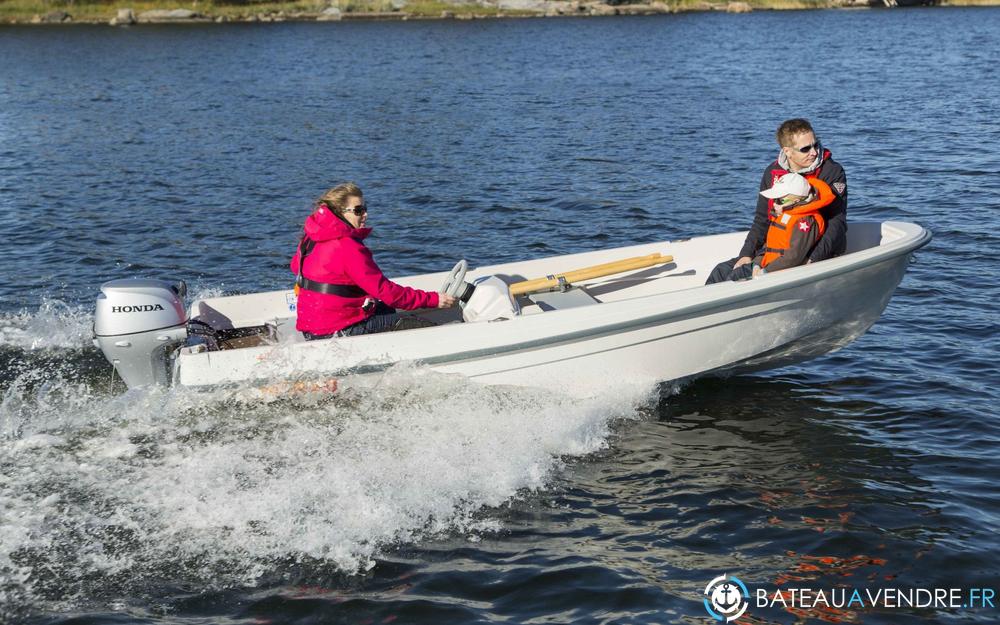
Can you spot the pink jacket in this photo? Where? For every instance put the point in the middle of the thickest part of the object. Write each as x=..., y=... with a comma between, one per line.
x=340, y=257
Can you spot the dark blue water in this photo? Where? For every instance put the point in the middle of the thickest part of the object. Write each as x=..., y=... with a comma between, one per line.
x=196, y=152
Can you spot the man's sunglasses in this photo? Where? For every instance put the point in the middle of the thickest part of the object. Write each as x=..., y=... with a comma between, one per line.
x=807, y=148
x=358, y=210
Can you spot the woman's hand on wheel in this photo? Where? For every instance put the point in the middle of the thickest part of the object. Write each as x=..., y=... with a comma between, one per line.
x=446, y=301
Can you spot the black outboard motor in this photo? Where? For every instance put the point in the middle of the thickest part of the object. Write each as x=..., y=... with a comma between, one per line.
x=138, y=325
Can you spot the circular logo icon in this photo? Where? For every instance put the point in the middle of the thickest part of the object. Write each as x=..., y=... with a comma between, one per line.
x=726, y=598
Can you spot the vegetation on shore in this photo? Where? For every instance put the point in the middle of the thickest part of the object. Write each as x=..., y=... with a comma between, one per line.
x=102, y=11
x=24, y=11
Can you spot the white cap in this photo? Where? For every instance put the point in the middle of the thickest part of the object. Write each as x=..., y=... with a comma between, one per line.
x=789, y=184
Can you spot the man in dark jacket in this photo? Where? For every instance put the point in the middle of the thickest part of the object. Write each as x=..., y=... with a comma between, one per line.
x=801, y=153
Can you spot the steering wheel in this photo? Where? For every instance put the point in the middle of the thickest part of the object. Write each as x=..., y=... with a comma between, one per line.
x=455, y=282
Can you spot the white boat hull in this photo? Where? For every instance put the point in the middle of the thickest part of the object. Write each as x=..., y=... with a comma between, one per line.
x=644, y=327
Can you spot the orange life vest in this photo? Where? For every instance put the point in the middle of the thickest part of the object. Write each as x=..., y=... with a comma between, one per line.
x=779, y=233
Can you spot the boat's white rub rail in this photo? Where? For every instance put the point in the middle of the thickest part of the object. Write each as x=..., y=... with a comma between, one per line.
x=582, y=336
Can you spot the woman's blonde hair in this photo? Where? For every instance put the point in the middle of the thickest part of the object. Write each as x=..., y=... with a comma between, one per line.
x=336, y=198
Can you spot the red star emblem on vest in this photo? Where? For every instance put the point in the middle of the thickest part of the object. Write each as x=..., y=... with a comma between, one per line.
x=804, y=226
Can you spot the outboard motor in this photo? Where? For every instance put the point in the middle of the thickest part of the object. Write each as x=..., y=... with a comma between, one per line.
x=138, y=324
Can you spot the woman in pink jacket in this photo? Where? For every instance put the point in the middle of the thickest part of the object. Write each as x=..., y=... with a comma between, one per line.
x=341, y=291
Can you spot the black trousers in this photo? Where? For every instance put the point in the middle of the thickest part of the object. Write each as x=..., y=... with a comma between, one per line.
x=385, y=319
x=724, y=271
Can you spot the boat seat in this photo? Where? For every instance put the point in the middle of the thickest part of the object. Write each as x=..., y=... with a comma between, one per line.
x=558, y=300
x=215, y=339
x=216, y=331
x=252, y=336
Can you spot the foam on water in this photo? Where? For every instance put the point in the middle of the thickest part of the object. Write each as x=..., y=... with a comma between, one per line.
x=58, y=325
x=55, y=325
x=104, y=496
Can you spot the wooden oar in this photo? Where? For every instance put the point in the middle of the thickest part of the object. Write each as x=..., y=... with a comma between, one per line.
x=519, y=288
x=588, y=273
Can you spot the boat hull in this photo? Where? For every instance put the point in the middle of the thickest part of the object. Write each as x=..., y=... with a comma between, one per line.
x=647, y=328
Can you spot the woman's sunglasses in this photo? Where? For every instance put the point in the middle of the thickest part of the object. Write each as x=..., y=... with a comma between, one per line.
x=358, y=210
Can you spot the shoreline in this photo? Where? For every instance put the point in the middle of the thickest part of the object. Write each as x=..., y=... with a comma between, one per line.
x=41, y=12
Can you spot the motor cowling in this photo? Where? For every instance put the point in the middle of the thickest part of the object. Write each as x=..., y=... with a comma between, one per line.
x=138, y=324
x=489, y=300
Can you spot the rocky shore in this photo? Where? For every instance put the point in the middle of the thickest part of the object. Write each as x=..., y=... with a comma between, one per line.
x=404, y=10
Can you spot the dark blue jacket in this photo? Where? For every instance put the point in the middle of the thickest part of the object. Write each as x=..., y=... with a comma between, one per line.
x=834, y=240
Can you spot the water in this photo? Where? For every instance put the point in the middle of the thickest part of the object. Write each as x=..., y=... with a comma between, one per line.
x=418, y=498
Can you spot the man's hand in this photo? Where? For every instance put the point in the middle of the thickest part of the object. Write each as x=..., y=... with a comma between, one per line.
x=742, y=261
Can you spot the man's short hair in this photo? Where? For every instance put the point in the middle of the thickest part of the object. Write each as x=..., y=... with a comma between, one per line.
x=790, y=128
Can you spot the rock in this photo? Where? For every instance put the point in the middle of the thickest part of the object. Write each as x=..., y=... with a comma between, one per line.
x=36, y=19
x=566, y=8
x=599, y=8
x=331, y=14
x=738, y=7
x=447, y=14
x=124, y=17
x=163, y=15
x=57, y=17
x=637, y=9
x=522, y=5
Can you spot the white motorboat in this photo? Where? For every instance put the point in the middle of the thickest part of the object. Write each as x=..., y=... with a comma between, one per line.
x=654, y=323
